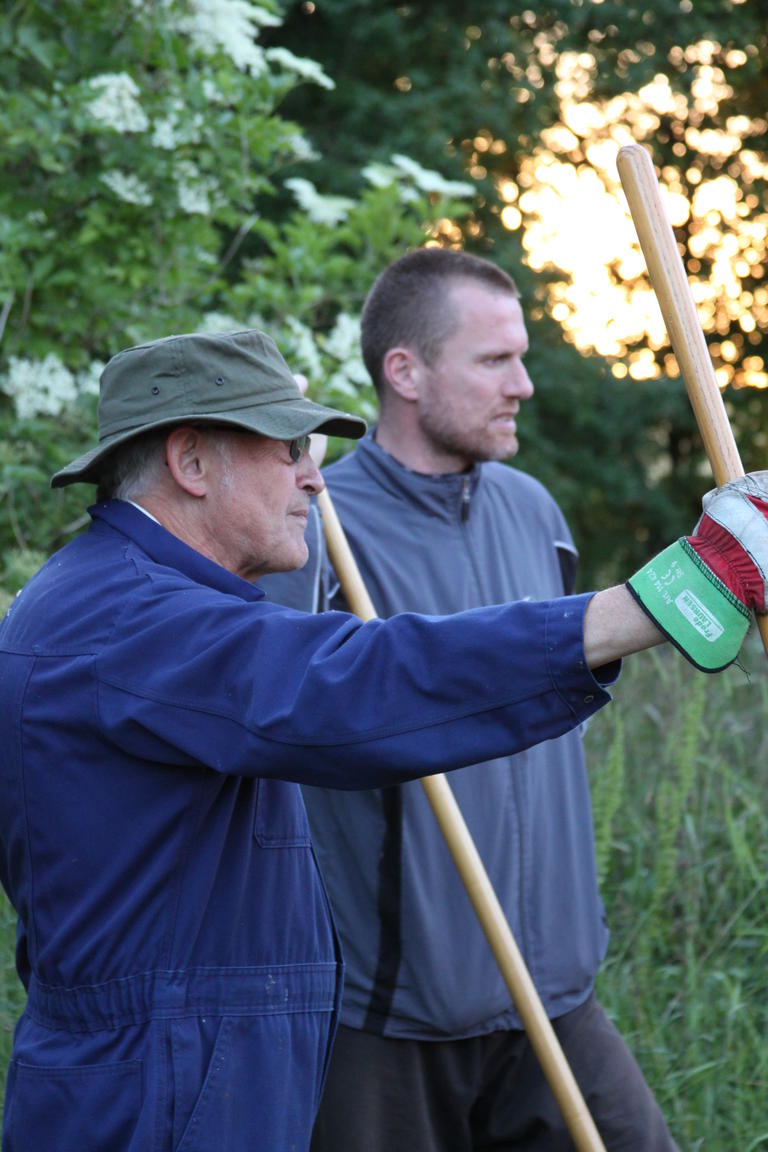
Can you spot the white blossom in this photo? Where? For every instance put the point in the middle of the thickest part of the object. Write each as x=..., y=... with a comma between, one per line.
x=39, y=387
x=88, y=381
x=387, y=176
x=427, y=180
x=346, y=381
x=127, y=187
x=178, y=127
x=343, y=344
x=301, y=66
x=212, y=92
x=344, y=339
x=303, y=349
x=193, y=189
x=117, y=105
x=219, y=322
x=381, y=175
x=320, y=209
x=163, y=135
x=229, y=26
x=301, y=149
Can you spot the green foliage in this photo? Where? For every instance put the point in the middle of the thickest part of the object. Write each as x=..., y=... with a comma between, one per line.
x=607, y=794
x=132, y=204
x=120, y=179
x=673, y=793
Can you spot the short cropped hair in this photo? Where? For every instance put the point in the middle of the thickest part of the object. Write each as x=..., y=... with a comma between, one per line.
x=408, y=303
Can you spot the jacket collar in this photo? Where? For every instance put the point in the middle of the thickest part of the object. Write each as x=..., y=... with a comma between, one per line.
x=446, y=495
x=166, y=549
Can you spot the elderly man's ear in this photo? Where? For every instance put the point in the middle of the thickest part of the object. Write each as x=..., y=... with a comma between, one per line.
x=318, y=441
x=185, y=454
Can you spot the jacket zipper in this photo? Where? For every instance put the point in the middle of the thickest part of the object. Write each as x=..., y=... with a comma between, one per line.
x=465, y=497
x=516, y=782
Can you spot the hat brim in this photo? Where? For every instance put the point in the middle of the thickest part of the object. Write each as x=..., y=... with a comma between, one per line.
x=279, y=421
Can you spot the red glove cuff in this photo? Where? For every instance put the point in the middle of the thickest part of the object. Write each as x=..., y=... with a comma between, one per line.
x=728, y=560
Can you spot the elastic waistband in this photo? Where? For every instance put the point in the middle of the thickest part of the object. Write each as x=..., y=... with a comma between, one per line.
x=256, y=991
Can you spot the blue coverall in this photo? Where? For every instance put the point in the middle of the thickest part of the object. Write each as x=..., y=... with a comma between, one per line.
x=174, y=935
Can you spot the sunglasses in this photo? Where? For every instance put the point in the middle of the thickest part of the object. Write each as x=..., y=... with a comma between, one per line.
x=298, y=447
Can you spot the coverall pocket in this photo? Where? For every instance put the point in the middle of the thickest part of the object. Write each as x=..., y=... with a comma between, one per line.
x=200, y=1052
x=281, y=818
x=87, y=1106
x=246, y=1082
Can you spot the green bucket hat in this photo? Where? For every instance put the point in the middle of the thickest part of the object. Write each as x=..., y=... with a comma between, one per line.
x=236, y=378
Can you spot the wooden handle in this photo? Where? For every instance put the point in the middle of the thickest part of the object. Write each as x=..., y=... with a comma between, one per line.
x=475, y=879
x=670, y=283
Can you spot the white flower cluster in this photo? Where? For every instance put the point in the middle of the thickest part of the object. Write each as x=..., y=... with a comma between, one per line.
x=427, y=180
x=193, y=189
x=229, y=26
x=302, y=350
x=117, y=105
x=88, y=381
x=320, y=209
x=127, y=187
x=213, y=94
x=42, y=387
x=218, y=322
x=177, y=128
x=300, y=148
x=307, y=69
x=46, y=387
x=417, y=179
x=343, y=341
x=343, y=344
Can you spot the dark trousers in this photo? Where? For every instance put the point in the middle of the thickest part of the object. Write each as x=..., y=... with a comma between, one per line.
x=485, y=1092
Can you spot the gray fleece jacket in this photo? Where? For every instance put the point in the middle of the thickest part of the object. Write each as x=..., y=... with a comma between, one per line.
x=417, y=962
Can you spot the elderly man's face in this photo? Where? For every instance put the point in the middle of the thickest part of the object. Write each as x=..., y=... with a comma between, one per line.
x=260, y=502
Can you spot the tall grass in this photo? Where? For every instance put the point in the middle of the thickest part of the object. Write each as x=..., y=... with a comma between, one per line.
x=679, y=771
x=684, y=866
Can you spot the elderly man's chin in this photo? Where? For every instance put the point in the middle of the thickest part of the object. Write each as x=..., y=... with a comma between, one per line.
x=294, y=557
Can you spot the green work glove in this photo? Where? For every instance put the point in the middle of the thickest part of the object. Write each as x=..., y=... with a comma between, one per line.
x=701, y=590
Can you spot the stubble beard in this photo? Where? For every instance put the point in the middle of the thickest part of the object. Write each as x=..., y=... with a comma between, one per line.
x=470, y=445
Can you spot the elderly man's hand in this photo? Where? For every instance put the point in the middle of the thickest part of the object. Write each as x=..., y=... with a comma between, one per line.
x=318, y=441
x=700, y=591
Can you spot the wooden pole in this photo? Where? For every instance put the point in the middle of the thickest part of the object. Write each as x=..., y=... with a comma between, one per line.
x=475, y=879
x=670, y=283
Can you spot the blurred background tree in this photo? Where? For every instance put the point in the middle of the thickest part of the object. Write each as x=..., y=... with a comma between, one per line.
x=217, y=176
x=151, y=195
x=532, y=104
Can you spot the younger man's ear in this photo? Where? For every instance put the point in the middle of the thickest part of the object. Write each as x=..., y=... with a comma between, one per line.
x=401, y=369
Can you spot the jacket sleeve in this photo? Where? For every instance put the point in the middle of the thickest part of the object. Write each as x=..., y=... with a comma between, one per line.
x=254, y=689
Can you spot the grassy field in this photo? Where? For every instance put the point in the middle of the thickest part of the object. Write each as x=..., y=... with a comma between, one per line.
x=679, y=767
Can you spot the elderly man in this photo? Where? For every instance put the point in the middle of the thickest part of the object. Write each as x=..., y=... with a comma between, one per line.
x=175, y=938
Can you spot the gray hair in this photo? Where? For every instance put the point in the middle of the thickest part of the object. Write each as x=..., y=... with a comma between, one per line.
x=133, y=467
x=137, y=466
